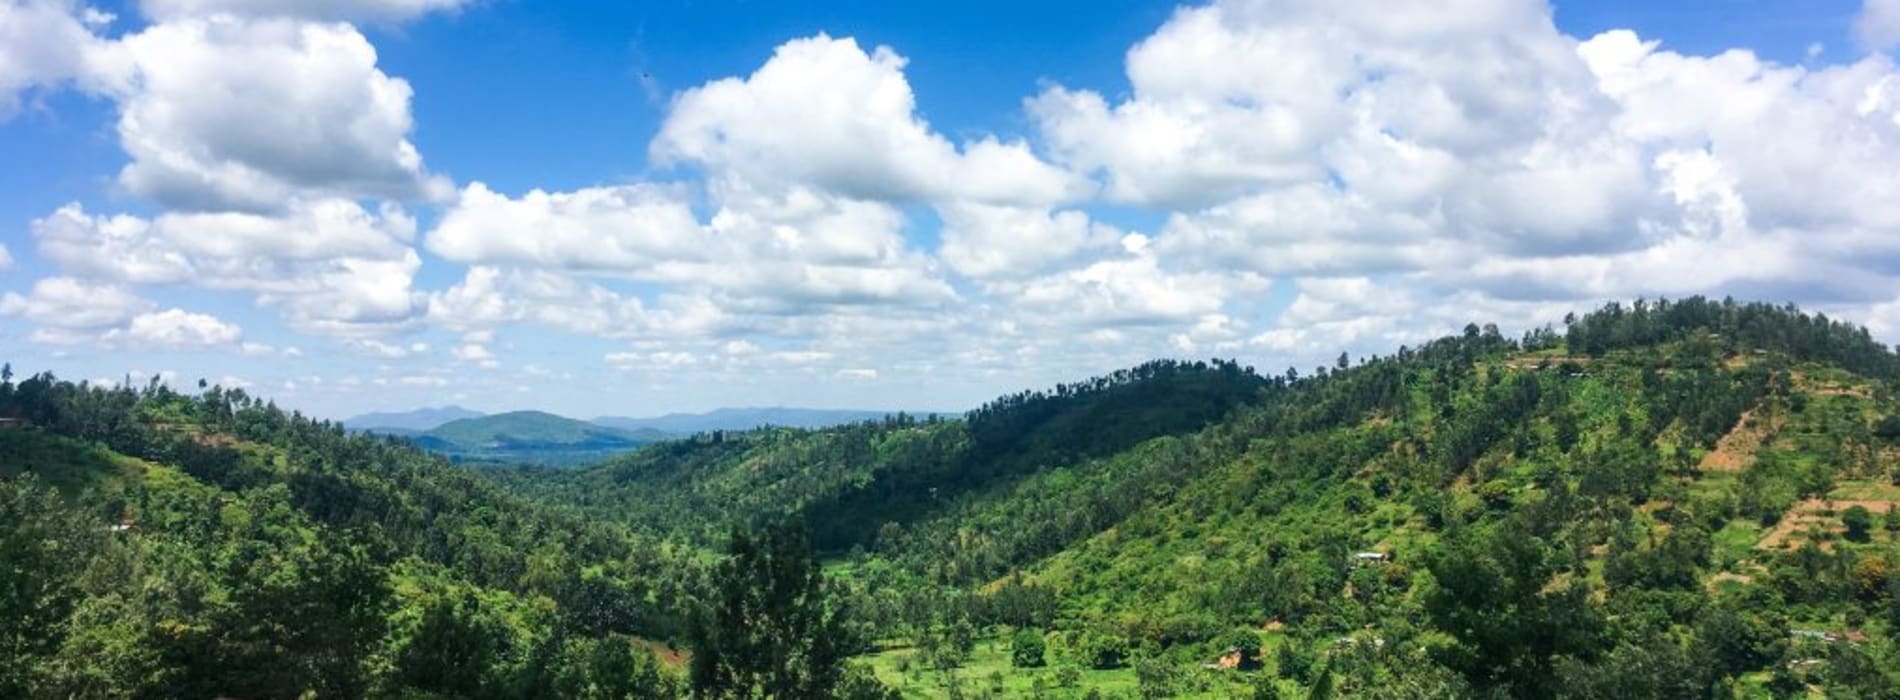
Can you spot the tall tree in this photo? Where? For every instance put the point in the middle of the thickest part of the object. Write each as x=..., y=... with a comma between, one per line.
x=767, y=628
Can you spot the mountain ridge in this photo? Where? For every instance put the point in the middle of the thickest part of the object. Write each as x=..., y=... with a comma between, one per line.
x=750, y=417
x=417, y=419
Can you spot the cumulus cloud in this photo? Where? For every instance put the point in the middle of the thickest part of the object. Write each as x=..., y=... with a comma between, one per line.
x=488, y=297
x=211, y=123
x=72, y=304
x=331, y=265
x=1877, y=27
x=1386, y=172
x=782, y=252
x=608, y=229
x=991, y=241
x=6, y=258
x=1469, y=146
x=70, y=311
x=1133, y=290
x=824, y=113
x=175, y=328
x=43, y=43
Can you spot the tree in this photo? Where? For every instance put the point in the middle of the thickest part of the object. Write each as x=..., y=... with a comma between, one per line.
x=454, y=647
x=766, y=628
x=1026, y=649
x=1858, y=521
x=1493, y=595
x=1247, y=644
x=43, y=546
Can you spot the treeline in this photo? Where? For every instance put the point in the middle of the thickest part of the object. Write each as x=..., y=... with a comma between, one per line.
x=1768, y=328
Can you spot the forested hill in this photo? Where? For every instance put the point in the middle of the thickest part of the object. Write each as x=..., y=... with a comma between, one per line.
x=1664, y=499
x=160, y=545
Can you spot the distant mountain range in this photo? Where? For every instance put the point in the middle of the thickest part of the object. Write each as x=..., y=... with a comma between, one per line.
x=545, y=438
x=743, y=419
x=417, y=420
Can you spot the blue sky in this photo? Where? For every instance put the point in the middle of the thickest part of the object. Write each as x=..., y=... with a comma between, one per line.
x=381, y=204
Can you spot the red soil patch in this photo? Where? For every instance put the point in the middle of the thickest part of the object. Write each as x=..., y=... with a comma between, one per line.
x=668, y=657
x=1736, y=450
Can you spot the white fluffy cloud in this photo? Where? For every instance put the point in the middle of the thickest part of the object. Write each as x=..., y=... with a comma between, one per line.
x=1877, y=27
x=1129, y=291
x=1469, y=145
x=1282, y=179
x=66, y=310
x=992, y=241
x=791, y=250
x=825, y=113
x=231, y=114
x=175, y=328
x=67, y=303
x=331, y=265
x=42, y=44
x=609, y=229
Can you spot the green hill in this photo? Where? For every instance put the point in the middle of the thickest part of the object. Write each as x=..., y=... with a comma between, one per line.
x=530, y=436
x=164, y=545
x=1694, y=498
x=1657, y=501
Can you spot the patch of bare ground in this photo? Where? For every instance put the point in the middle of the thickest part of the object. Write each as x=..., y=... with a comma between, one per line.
x=1813, y=513
x=1544, y=361
x=1736, y=450
x=1828, y=387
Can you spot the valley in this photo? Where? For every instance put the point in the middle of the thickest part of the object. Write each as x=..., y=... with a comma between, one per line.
x=1690, y=498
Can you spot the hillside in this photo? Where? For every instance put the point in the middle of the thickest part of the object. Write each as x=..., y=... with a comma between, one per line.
x=162, y=545
x=1668, y=499
x=743, y=419
x=529, y=437
x=1678, y=499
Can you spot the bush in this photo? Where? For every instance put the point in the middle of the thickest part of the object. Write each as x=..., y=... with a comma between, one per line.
x=1102, y=651
x=1859, y=522
x=1026, y=649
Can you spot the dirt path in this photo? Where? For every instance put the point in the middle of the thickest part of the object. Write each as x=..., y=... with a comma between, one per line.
x=1736, y=450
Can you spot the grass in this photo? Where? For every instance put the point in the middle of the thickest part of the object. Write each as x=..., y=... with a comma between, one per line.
x=1735, y=542
x=991, y=660
x=70, y=466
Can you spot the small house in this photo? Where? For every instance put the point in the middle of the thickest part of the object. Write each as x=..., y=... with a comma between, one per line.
x=1371, y=558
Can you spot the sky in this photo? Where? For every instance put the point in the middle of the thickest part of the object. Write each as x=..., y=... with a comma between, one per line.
x=363, y=205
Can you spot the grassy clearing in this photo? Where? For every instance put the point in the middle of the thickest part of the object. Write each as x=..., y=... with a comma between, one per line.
x=988, y=673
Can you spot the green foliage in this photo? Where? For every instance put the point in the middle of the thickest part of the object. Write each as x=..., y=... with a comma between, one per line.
x=1494, y=595
x=1859, y=523
x=1474, y=517
x=1026, y=649
x=767, y=629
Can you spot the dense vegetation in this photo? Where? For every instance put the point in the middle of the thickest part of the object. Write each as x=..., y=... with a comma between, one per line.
x=1664, y=499
x=163, y=545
